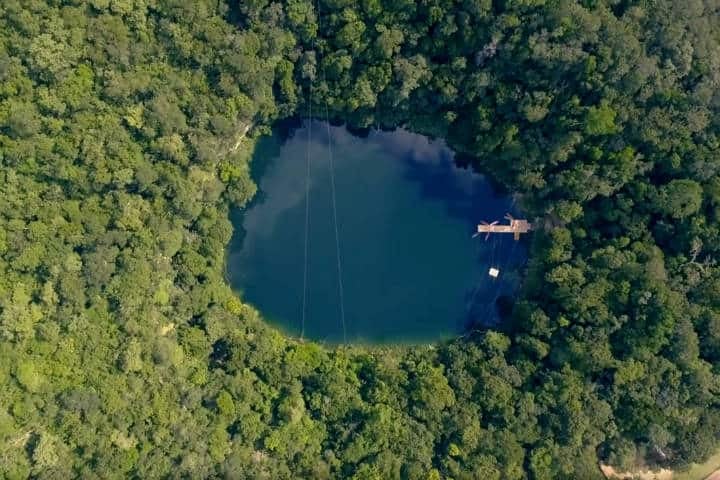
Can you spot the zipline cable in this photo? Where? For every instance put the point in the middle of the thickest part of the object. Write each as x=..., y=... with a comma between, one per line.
x=334, y=201
x=307, y=215
x=335, y=224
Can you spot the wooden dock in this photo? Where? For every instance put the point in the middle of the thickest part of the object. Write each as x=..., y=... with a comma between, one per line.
x=516, y=227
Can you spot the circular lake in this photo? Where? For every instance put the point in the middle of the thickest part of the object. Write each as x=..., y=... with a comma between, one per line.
x=411, y=271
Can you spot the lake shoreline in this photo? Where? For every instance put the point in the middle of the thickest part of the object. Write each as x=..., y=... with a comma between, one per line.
x=401, y=197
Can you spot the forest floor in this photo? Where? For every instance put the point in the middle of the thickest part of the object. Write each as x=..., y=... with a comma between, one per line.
x=710, y=470
x=662, y=474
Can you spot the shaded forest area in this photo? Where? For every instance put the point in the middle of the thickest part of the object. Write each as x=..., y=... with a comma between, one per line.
x=124, y=353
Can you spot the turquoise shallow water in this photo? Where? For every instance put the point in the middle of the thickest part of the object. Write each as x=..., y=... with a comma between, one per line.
x=411, y=271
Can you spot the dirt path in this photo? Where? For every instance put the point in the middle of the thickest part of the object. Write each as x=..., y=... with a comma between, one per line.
x=714, y=476
x=662, y=474
x=241, y=136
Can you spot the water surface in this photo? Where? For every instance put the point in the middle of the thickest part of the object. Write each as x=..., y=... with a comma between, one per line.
x=405, y=216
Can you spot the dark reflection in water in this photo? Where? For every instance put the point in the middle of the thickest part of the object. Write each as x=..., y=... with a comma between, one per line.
x=406, y=213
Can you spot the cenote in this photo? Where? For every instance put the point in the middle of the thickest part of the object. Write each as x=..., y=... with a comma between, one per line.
x=411, y=271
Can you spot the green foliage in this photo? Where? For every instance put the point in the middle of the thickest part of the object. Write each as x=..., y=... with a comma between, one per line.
x=126, y=131
x=600, y=120
x=680, y=198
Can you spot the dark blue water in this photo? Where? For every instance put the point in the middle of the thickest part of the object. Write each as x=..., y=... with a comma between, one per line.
x=405, y=216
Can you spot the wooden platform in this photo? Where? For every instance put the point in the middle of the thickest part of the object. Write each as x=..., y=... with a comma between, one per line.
x=516, y=227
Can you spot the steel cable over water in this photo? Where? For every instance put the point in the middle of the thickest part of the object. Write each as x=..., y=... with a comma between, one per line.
x=307, y=215
x=335, y=222
x=331, y=166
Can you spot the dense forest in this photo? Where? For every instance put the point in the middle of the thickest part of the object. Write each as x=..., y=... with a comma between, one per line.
x=124, y=353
